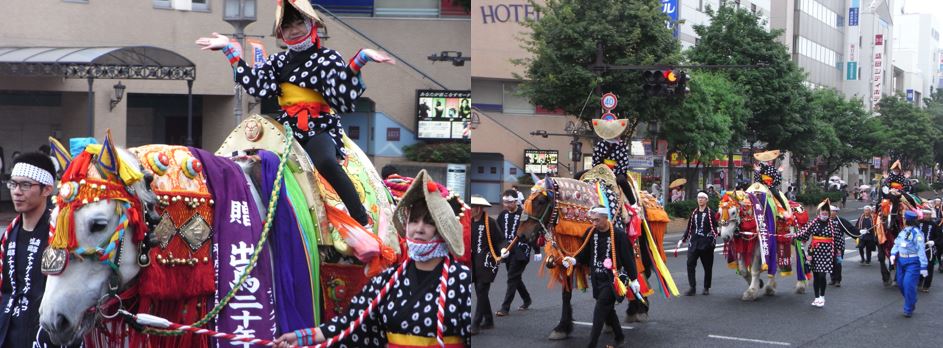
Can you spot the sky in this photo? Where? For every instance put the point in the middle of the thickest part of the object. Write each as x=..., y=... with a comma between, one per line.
x=934, y=7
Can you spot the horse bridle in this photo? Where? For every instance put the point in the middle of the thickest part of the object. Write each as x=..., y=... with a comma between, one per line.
x=543, y=216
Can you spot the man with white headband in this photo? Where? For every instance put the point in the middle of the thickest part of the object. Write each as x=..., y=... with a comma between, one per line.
x=518, y=255
x=604, y=240
x=700, y=234
x=21, y=249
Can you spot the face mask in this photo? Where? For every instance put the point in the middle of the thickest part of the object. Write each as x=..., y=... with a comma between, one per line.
x=425, y=251
x=304, y=42
x=823, y=217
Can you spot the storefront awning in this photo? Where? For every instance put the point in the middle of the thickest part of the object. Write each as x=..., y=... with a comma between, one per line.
x=133, y=62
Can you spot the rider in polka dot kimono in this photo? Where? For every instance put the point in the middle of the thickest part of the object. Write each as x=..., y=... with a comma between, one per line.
x=311, y=83
x=424, y=302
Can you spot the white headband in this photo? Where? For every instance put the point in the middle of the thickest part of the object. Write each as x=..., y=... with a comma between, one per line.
x=702, y=195
x=600, y=211
x=27, y=170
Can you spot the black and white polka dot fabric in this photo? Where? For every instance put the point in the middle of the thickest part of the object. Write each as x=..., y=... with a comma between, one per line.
x=766, y=169
x=409, y=308
x=823, y=254
x=323, y=70
x=615, y=151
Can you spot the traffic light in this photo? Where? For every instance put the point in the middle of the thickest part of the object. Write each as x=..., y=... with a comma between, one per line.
x=654, y=82
x=667, y=82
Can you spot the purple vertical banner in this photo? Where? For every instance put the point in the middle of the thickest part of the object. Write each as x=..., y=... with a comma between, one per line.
x=670, y=8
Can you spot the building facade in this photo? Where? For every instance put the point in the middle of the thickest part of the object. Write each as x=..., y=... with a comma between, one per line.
x=155, y=111
x=917, y=53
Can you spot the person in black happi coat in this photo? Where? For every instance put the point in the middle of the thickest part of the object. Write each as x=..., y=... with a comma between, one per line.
x=519, y=255
x=701, y=235
x=31, y=183
x=603, y=266
x=487, y=241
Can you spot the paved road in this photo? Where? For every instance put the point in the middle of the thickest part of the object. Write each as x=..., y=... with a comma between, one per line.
x=862, y=313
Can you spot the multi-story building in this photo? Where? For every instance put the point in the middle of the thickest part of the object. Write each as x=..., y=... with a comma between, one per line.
x=694, y=12
x=917, y=52
x=38, y=98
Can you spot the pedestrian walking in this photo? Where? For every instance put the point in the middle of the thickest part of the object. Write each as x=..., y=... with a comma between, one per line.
x=487, y=240
x=612, y=264
x=519, y=253
x=701, y=237
x=867, y=242
x=827, y=242
x=933, y=235
x=911, y=261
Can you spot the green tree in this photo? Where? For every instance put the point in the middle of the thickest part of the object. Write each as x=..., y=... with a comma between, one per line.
x=934, y=107
x=905, y=131
x=847, y=133
x=773, y=90
x=563, y=44
x=707, y=123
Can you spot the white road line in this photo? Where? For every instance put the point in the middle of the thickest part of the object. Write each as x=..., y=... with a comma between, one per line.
x=750, y=340
x=591, y=324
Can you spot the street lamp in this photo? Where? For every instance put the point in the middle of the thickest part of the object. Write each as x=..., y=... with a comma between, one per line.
x=239, y=14
x=119, y=94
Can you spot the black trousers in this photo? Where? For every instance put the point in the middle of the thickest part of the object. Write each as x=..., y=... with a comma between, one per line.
x=515, y=283
x=926, y=281
x=865, y=249
x=323, y=153
x=836, y=271
x=605, y=314
x=483, y=313
x=883, y=260
x=707, y=261
x=818, y=283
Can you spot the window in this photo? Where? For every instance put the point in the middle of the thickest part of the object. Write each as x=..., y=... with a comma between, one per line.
x=513, y=171
x=753, y=8
x=700, y=5
x=841, y=21
x=392, y=134
x=516, y=104
x=196, y=5
x=353, y=132
x=406, y=8
x=494, y=170
x=481, y=170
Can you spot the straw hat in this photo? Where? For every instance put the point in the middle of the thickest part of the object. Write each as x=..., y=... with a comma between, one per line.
x=678, y=182
x=302, y=6
x=825, y=205
x=766, y=156
x=896, y=165
x=445, y=215
x=479, y=201
x=609, y=127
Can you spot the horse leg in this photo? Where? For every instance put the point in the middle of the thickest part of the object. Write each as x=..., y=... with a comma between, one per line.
x=771, y=287
x=565, y=326
x=755, y=269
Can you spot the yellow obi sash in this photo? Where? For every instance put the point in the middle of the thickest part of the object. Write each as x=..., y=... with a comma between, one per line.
x=302, y=103
x=395, y=340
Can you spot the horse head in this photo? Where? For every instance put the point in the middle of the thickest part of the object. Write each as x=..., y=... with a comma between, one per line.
x=99, y=225
x=536, y=212
x=729, y=210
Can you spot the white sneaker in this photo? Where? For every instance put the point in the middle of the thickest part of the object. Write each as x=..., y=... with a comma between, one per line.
x=822, y=302
x=815, y=302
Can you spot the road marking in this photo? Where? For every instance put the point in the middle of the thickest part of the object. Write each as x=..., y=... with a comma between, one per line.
x=591, y=324
x=750, y=340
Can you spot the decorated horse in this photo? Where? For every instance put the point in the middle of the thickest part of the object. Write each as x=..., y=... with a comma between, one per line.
x=557, y=209
x=250, y=248
x=755, y=242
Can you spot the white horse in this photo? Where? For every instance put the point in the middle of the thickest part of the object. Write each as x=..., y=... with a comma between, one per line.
x=749, y=266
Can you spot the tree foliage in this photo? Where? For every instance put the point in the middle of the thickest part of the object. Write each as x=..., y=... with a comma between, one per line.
x=563, y=47
x=906, y=131
x=709, y=112
x=848, y=133
x=773, y=89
